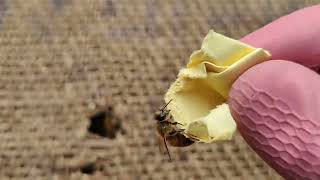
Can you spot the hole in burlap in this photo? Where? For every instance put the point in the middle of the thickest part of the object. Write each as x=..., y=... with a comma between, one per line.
x=88, y=168
x=104, y=123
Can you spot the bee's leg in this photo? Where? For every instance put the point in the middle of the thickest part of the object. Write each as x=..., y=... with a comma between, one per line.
x=180, y=131
x=193, y=138
x=172, y=133
x=174, y=123
x=165, y=143
x=176, y=131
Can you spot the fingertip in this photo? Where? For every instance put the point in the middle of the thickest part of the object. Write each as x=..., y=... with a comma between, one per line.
x=275, y=105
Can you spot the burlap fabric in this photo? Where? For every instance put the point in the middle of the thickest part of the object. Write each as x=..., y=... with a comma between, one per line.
x=60, y=60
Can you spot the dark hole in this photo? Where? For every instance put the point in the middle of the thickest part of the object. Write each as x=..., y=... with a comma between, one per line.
x=105, y=124
x=88, y=168
x=97, y=124
x=68, y=155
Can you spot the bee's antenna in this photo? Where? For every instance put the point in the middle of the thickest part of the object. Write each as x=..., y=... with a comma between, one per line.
x=166, y=105
x=165, y=143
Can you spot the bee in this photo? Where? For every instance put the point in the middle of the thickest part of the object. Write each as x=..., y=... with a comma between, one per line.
x=168, y=130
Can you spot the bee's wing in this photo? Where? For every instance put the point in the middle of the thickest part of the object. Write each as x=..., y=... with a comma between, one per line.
x=162, y=143
x=159, y=139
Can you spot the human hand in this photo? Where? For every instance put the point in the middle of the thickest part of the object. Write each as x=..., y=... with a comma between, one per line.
x=276, y=104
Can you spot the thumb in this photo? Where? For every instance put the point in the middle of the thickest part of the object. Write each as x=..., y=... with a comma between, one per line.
x=293, y=37
x=276, y=108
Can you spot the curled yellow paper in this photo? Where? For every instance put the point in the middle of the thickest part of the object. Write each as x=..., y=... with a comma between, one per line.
x=199, y=94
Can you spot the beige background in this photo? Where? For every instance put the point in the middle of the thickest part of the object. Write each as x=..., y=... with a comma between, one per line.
x=59, y=59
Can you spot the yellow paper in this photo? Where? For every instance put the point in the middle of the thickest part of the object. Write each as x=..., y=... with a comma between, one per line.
x=201, y=90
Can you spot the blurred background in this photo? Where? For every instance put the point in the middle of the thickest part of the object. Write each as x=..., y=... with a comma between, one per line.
x=81, y=79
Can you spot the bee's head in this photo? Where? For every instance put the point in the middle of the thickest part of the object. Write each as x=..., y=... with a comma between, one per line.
x=160, y=115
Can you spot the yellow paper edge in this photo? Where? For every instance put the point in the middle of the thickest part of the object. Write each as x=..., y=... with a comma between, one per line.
x=200, y=93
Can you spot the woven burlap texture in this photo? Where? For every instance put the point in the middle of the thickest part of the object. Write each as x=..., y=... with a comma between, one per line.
x=62, y=59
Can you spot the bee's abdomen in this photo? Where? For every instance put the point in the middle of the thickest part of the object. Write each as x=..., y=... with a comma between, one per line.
x=179, y=140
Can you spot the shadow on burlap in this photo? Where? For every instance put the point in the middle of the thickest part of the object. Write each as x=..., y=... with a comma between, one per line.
x=62, y=59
